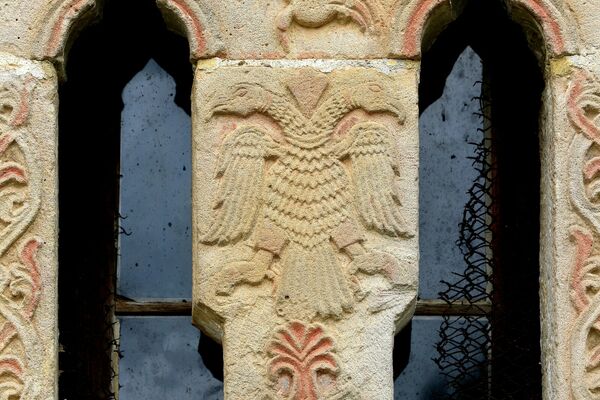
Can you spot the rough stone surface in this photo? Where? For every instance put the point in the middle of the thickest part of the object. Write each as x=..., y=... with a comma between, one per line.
x=584, y=19
x=28, y=204
x=305, y=215
x=40, y=29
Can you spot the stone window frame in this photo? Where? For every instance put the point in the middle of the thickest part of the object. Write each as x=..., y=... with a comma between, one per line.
x=567, y=137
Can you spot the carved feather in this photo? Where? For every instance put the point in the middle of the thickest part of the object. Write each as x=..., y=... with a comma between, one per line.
x=241, y=170
x=374, y=177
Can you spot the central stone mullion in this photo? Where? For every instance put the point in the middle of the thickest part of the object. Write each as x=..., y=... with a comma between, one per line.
x=305, y=223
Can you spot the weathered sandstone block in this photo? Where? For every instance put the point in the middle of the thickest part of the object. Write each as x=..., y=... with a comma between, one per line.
x=42, y=29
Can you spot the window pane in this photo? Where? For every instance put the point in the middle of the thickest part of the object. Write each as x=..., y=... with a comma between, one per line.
x=161, y=361
x=155, y=240
x=422, y=378
x=447, y=129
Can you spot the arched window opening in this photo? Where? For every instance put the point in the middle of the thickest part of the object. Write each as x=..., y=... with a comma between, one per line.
x=448, y=127
x=126, y=102
x=485, y=171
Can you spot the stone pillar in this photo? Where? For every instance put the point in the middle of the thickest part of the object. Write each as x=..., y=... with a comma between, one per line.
x=305, y=215
x=570, y=272
x=305, y=192
x=33, y=37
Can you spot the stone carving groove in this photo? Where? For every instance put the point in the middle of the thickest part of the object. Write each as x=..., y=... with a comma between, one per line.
x=584, y=107
x=20, y=281
x=556, y=24
x=583, y=104
x=415, y=15
x=63, y=15
x=21, y=290
x=300, y=209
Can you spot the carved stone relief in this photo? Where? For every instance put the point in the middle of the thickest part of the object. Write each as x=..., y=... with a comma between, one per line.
x=27, y=267
x=305, y=196
x=305, y=221
x=584, y=108
x=348, y=29
x=293, y=28
x=303, y=363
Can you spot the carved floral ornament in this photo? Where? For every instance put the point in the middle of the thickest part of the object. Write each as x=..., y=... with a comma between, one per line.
x=21, y=353
x=304, y=365
x=584, y=109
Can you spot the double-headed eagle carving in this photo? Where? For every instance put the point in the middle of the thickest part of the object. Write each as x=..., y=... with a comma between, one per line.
x=305, y=201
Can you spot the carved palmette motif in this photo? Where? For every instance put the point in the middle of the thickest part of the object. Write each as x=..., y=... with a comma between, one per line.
x=304, y=366
x=307, y=198
x=584, y=109
x=21, y=353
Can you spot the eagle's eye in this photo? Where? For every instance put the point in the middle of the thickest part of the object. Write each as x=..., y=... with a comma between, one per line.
x=241, y=92
x=375, y=88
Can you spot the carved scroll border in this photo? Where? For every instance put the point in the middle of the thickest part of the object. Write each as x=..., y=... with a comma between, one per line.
x=24, y=357
x=584, y=187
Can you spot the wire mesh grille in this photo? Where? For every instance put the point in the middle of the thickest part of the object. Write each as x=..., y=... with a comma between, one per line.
x=464, y=343
x=494, y=355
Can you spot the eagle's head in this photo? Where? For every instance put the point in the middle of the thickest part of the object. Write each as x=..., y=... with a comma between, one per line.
x=240, y=99
x=375, y=97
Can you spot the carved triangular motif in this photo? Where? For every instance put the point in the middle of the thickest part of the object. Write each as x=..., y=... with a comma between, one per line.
x=308, y=87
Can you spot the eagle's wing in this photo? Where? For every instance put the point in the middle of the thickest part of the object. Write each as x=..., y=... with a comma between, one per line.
x=238, y=198
x=374, y=173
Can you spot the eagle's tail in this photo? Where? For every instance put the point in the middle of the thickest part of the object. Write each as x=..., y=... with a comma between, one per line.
x=313, y=282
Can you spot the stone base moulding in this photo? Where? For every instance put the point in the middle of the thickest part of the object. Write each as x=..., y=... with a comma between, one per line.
x=305, y=222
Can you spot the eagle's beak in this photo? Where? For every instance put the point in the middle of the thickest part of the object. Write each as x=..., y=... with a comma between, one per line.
x=400, y=114
x=219, y=108
x=396, y=108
